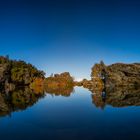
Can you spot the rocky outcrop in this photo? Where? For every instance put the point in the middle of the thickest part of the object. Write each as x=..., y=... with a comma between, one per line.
x=123, y=75
x=57, y=81
x=17, y=73
x=97, y=77
x=115, y=75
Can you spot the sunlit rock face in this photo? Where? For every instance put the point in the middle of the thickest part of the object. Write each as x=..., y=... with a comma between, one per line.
x=115, y=75
x=123, y=75
x=97, y=76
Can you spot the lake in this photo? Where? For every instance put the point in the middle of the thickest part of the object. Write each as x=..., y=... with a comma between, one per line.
x=79, y=116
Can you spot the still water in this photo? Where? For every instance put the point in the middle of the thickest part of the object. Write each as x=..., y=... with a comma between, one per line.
x=78, y=116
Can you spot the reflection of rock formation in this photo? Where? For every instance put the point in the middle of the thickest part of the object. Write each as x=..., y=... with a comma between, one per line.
x=120, y=81
x=17, y=100
x=3, y=106
x=59, y=84
x=60, y=91
x=117, y=97
x=98, y=100
x=123, y=97
x=22, y=98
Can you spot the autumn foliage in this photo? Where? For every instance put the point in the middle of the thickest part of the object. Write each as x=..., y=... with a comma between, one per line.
x=37, y=85
x=59, y=83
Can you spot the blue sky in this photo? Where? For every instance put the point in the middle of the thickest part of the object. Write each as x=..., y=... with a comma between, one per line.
x=70, y=35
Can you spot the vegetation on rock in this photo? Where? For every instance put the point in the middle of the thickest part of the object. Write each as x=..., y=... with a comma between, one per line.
x=58, y=83
x=115, y=75
x=17, y=73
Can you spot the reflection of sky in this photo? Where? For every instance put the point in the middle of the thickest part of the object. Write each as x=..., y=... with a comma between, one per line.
x=70, y=35
x=73, y=117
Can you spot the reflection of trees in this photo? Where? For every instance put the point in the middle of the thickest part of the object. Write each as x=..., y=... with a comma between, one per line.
x=22, y=98
x=118, y=97
x=59, y=84
x=17, y=100
x=64, y=91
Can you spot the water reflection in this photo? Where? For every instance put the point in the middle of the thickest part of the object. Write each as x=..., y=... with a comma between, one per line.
x=17, y=100
x=23, y=98
x=60, y=91
x=117, y=97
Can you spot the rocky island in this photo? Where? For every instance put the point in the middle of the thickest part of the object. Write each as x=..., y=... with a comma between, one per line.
x=22, y=84
x=15, y=73
x=105, y=77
